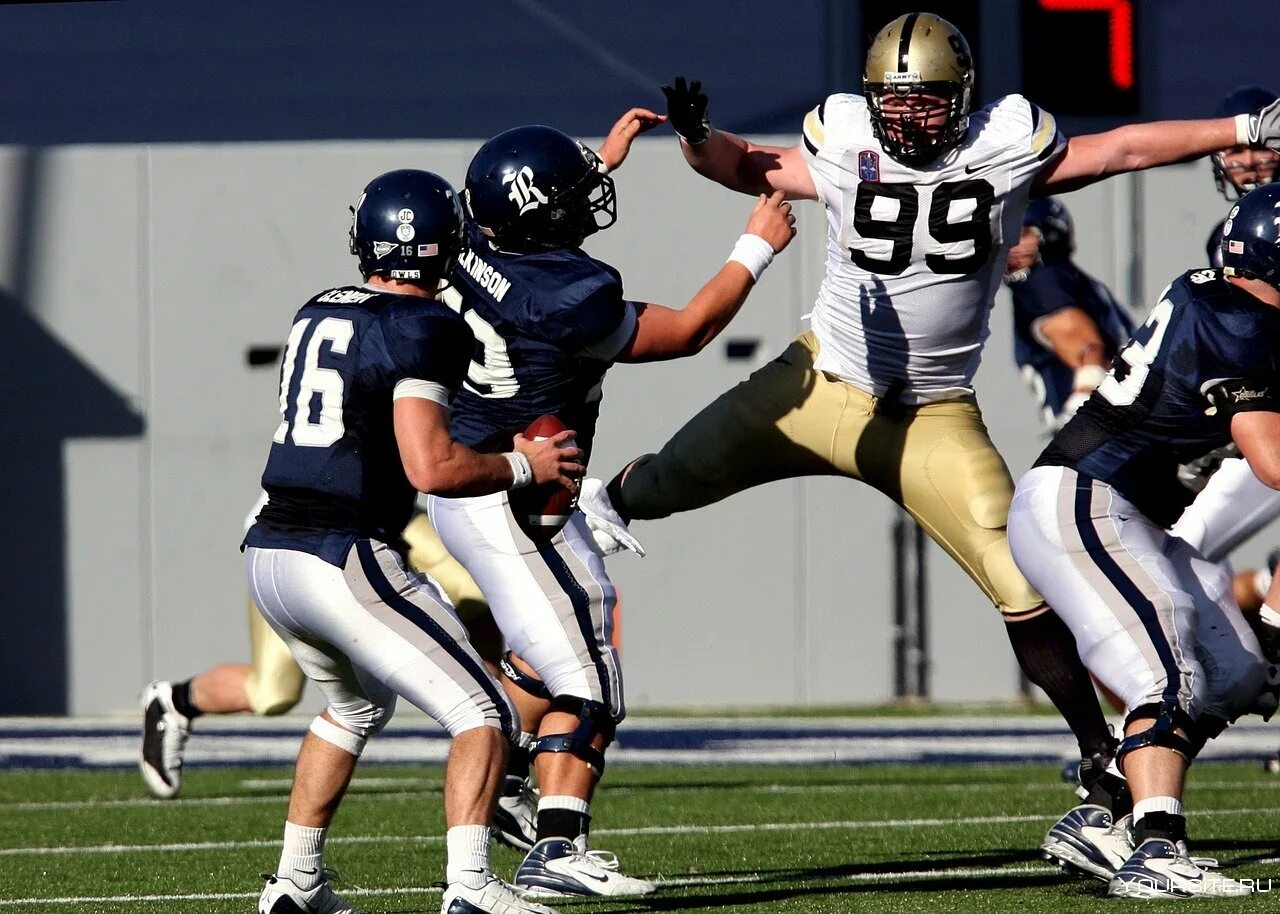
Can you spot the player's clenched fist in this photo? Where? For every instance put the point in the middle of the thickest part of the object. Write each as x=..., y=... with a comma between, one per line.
x=773, y=221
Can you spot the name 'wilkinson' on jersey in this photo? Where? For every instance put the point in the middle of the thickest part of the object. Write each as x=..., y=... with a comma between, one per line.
x=490, y=279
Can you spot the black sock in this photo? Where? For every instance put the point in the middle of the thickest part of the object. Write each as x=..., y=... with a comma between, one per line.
x=614, y=491
x=1111, y=792
x=182, y=702
x=562, y=823
x=1046, y=651
x=1162, y=825
x=518, y=762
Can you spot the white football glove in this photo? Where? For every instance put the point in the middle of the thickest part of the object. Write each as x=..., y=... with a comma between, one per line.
x=607, y=528
x=1263, y=127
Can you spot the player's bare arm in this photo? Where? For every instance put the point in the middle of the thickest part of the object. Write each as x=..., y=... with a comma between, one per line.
x=1257, y=434
x=1135, y=147
x=618, y=143
x=435, y=464
x=669, y=333
x=728, y=159
x=1074, y=338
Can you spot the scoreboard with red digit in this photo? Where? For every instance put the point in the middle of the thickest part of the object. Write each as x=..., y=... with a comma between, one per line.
x=1081, y=56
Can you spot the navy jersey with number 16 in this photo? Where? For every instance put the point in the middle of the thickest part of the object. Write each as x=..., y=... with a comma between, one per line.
x=1208, y=351
x=334, y=474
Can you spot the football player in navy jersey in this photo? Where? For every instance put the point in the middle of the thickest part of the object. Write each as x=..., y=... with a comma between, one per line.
x=1232, y=505
x=1241, y=168
x=1153, y=618
x=365, y=390
x=1067, y=326
x=549, y=321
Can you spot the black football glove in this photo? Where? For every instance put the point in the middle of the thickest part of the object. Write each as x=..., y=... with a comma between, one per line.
x=687, y=110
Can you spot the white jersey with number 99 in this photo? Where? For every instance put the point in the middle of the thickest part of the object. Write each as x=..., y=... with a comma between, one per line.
x=915, y=254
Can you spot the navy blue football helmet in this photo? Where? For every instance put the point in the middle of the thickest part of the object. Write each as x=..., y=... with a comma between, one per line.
x=1251, y=237
x=1242, y=100
x=408, y=225
x=535, y=188
x=1057, y=234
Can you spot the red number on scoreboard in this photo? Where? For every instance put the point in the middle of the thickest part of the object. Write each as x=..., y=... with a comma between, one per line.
x=1120, y=25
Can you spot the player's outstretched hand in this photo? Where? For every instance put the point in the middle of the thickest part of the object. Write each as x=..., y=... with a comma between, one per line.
x=687, y=110
x=553, y=459
x=618, y=143
x=1264, y=127
x=773, y=221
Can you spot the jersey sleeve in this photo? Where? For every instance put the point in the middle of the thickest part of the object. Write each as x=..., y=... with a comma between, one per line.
x=1238, y=369
x=823, y=137
x=1031, y=133
x=587, y=315
x=429, y=354
x=1041, y=295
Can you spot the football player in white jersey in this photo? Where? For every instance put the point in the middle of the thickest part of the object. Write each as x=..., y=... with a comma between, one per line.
x=924, y=197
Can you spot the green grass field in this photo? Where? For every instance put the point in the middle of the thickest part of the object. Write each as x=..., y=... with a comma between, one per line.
x=734, y=839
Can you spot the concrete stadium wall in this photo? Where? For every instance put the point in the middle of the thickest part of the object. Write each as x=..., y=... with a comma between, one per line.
x=136, y=278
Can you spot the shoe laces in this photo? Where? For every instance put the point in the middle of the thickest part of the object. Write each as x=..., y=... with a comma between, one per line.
x=607, y=860
x=173, y=739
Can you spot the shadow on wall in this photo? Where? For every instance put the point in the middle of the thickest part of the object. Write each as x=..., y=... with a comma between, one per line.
x=49, y=396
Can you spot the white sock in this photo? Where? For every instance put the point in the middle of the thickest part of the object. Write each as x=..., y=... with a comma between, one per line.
x=468, y=860
x=302, y=859
x=574, y=804
x=1171, y=805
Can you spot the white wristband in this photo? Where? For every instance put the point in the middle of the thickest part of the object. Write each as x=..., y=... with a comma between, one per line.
x=1269, y=616
x=1088, y=377
x=754, y=253
x=1242, y=129
x=521, y=471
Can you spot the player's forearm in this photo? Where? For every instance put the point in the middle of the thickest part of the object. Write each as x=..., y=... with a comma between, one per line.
x=455, y=471
x=725, y=159
x=1138, y=146
x=715, y=306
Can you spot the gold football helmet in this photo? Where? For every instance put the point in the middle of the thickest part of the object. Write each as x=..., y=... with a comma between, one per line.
x=918, y=83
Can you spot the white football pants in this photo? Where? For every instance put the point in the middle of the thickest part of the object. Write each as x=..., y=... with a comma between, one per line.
x=1232, y=507
x=553, y=602
x=1154, y=619
x=371, y=630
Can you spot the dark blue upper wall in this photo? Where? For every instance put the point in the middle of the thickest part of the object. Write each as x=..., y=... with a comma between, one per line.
x=144, y=70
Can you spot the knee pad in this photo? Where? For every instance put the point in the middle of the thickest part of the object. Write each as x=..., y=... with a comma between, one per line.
x=344, y=739
x=1166, y=717
x=531, y=684
x=364, y=719
x=593, y=719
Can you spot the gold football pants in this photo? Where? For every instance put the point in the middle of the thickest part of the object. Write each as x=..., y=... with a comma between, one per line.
x=788, y=420
x=275, y=681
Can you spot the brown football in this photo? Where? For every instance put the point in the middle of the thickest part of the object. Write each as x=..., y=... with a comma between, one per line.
x=542, y=510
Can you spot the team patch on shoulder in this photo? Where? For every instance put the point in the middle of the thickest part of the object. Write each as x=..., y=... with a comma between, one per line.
x=868, y=165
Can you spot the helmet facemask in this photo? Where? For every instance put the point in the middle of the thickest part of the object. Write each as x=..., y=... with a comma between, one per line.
x=1234, y=178
x=923, y=119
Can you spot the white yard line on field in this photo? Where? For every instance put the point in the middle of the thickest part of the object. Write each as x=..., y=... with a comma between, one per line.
x=693, y=830
x=683, y=882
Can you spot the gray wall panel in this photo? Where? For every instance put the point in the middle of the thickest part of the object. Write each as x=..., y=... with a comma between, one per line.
x=155, y=268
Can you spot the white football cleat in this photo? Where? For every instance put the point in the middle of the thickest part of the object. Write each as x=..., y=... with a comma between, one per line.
x=1088, y=841
x=494, y=897
x=1161, y=869
x=516, y=814
x=560, y=867
x=607, y=527
x=164, y=738
x=281, y=896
